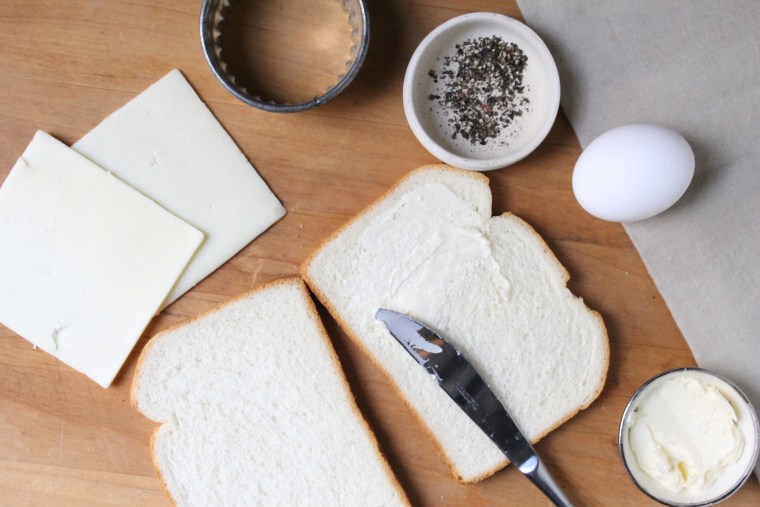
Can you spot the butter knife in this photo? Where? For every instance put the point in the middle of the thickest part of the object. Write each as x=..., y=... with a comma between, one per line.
x=459, y=379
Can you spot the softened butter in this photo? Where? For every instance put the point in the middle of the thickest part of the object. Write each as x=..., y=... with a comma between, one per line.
x=684, y=434
x=689, y=437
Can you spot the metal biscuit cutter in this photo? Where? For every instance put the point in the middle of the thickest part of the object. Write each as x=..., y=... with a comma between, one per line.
x=213, y=14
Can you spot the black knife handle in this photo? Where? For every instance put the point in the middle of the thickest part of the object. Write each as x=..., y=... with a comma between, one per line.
x=539, y=475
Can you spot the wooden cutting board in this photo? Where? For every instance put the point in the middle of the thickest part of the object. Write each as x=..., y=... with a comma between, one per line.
x=67, y=64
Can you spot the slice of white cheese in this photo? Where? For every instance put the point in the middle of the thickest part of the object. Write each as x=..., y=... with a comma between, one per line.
x=85, y=260
x=168, y=145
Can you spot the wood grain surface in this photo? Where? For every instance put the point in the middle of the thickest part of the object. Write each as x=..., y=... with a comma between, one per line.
x=66, y=64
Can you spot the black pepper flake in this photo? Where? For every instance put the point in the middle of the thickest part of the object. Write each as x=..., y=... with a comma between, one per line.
x=481, y=87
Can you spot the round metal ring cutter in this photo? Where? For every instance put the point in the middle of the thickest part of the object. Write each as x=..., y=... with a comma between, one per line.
x=213, y=14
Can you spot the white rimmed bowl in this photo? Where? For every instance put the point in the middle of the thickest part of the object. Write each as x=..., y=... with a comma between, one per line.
x=427, y=119
x=733, y=477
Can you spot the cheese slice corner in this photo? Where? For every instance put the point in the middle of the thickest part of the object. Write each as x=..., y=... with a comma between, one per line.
x=168, y=145
x=85, y=260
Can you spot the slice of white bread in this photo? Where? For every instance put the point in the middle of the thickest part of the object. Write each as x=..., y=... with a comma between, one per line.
x=430, y=248
x=256, y=409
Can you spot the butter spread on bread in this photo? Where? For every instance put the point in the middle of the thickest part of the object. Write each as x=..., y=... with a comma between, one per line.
x=430, y=248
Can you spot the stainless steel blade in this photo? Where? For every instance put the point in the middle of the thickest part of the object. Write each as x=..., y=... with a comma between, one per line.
x=461, y=381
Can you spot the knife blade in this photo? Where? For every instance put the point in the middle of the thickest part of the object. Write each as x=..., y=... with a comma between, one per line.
x=464, y=385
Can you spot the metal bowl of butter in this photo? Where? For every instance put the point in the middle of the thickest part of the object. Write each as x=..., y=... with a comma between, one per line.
x=689, y=437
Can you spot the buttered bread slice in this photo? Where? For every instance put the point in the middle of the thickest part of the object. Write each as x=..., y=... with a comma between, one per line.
x=430, y=248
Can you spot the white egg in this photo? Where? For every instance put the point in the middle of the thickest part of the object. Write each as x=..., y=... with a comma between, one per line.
x=633, y=172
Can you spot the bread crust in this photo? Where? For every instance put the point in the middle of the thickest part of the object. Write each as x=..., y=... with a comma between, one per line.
x=481, y=178
x=347, y=391
x=597, y=316
x=312, y=310
x=333, y=310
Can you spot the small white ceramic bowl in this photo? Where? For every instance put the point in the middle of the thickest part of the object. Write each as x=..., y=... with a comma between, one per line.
x=426, y=117
x=732, y=478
